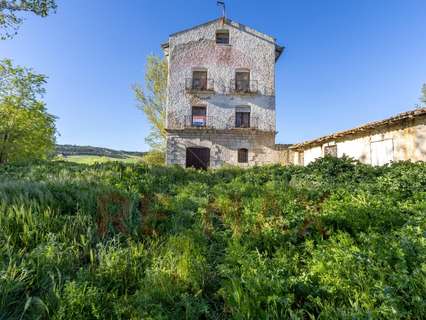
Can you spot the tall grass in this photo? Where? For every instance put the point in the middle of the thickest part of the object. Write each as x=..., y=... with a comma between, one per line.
x=335, y=240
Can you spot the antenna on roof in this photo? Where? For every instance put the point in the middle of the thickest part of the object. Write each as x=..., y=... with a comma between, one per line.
x=222, y=4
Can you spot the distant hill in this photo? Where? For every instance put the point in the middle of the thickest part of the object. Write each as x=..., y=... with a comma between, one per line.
x=72, y=150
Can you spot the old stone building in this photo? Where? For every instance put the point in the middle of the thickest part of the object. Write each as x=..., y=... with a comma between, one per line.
x=221, y=96
x=401, y=137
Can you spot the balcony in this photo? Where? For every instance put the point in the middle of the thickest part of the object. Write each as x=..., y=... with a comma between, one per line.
x=198, y=121
x=201, y=122
x=199, y=85
x=244, y=87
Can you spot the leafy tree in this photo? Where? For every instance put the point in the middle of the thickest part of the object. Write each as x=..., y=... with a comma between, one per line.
x=154, y=157
x=27, y=131
x=10, y=21
x=423, y=98
x=152, y=101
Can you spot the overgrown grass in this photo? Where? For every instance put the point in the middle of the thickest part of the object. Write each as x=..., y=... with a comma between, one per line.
x=334, y=240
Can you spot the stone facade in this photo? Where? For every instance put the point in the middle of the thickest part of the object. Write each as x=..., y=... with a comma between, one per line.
x=196, y=50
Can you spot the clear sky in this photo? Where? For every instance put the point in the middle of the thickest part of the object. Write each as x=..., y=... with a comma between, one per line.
x=347, y=62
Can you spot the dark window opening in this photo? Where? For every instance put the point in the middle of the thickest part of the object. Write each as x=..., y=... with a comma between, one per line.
x=198, y=158
x=242, y=81
x=242, y=119
x=199, y=80
x=222, y=37
x=330, y=151
x=242, y=155
x=199, y=116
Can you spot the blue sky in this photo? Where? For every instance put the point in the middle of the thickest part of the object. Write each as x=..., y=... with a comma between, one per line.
x=347, y=62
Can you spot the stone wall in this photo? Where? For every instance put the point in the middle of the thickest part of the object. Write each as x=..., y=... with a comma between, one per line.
x=197, y=49
x=223, y=147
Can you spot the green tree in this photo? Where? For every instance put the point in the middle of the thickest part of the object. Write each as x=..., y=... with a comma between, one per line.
x=152, y=101
x=423, y=97
x=9, y=9
x=155, y=158
x=27, y=131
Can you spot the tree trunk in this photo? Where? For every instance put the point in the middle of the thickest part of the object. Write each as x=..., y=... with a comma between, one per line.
x=3, y=149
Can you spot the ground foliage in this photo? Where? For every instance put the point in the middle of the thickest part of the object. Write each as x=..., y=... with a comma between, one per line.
x=334, y=240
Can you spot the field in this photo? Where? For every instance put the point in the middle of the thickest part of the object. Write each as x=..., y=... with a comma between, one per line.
x=93, y=155
x=334, y=240
x=92, y=159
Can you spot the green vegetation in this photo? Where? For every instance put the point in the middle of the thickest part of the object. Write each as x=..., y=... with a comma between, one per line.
x=83, y=159
x=27, y=131
x=92, y=155
x=152, y=100
x=9, y=9
x=334, y=240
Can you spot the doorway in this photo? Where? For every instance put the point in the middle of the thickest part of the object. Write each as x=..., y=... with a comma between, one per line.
x=198, y=158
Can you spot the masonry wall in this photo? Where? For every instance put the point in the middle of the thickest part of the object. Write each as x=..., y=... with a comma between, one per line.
x=223, y=147
x=408, y=137
x=197, y=49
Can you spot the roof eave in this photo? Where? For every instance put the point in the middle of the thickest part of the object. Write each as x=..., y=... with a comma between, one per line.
x=278, y=51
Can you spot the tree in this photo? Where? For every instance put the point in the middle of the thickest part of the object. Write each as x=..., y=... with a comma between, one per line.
x=10, y=21
x=27, y=131
x=152, y=101
x=423, y=98
x=155, y=158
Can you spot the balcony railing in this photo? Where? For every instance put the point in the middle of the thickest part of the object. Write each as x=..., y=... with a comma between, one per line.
x=199, y=85
x=244, y=86
x=212, y=122
x=250, y=123
x=194, y=121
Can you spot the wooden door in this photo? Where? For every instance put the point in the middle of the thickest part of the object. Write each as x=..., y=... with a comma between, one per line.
x=198, y=158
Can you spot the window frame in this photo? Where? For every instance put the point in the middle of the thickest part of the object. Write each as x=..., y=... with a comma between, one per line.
x=242, y=155
x=242, y=85
x=203, y=81
x=199, y=108
x=226, y=37
x=242, y=119
x=334, y=153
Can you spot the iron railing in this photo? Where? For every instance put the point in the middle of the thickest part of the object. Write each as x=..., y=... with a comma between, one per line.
x=194, y=121
x=211, y=122
x=199, y=85
x=244, y=86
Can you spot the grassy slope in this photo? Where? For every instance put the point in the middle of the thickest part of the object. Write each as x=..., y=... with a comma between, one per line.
x=127, y=241
x=92, y=159
x=92, y=155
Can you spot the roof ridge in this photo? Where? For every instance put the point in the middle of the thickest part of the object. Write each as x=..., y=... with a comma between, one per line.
x=369, y=125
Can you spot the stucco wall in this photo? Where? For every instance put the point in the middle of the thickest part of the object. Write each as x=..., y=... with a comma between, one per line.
x=197, y=48
x=408, y=143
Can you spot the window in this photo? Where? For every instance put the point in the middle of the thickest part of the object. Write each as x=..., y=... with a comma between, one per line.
x=242, y=119
x=381, y=152
x=222, y=37
x=242, y=81
x=199, y=80
x=330, y=151
x=243, y=155
x=199, y=118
